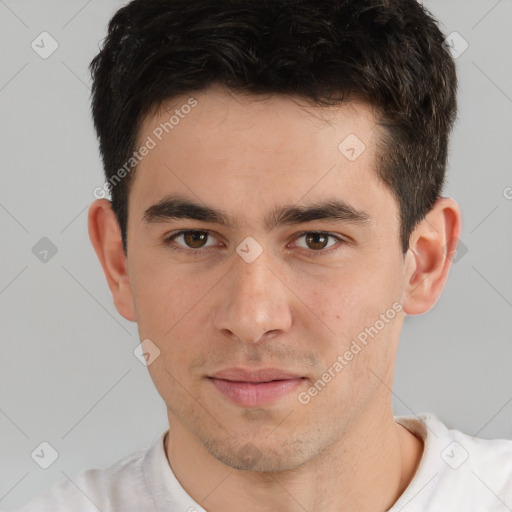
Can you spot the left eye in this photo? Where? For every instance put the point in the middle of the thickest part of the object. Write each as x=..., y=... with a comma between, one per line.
x=317, y=240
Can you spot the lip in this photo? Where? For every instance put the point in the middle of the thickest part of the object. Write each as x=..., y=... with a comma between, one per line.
x=257, y=376
x=255, y=388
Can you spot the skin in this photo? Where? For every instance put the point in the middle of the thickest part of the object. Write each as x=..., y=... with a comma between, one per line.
x=293, y=308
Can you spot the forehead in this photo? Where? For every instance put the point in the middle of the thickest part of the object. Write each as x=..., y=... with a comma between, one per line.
x=233, y=110
x=243, y=149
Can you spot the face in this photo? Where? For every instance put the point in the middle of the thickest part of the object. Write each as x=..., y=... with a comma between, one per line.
x=270, y=281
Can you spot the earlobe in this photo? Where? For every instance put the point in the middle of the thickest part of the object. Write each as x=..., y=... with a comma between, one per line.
x=105, y=235
x=432, y=246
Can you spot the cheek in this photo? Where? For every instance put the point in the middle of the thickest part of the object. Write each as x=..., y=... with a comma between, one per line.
x=165, y=295
x=345, y=299
x=354, y=307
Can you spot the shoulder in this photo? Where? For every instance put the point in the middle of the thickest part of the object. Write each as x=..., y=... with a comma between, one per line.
x=482, y=463
x=115, y=487
x=459, y=470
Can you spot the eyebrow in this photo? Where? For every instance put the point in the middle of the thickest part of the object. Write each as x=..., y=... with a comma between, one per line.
x=178, y=207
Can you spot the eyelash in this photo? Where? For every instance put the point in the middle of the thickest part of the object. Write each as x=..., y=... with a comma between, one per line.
x=169, y=242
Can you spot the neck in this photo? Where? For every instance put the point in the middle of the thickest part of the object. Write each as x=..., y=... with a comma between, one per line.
x=365, y=470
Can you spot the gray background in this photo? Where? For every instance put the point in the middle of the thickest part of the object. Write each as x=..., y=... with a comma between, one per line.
x=67, y=372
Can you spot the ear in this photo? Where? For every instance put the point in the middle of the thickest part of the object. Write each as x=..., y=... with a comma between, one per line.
x=105, y=235
x=432, y=247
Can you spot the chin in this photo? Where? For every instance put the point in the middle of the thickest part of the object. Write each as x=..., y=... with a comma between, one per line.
x=257, y=456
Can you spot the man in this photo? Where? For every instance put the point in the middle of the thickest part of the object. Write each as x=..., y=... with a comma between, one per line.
x=276, y=170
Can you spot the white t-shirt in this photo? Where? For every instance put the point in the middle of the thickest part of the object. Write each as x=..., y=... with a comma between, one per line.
x=457, y=473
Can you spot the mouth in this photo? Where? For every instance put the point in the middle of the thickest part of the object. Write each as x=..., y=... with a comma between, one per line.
x=255, y=388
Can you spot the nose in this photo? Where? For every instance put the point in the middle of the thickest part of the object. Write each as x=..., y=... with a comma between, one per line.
x=254, y=303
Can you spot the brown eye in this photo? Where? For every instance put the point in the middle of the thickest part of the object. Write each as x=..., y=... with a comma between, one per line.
x=319, y=243
x=192, y=242
x=316, y=241
x=195, y=239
